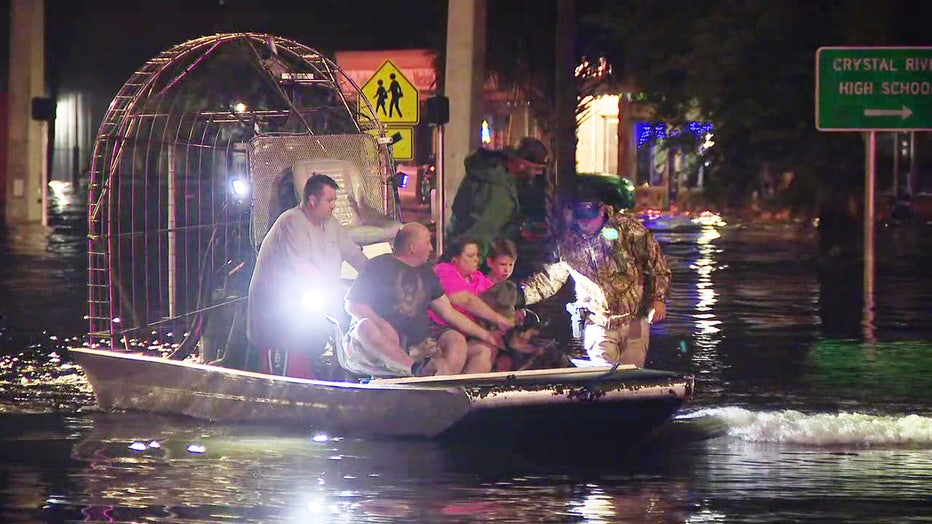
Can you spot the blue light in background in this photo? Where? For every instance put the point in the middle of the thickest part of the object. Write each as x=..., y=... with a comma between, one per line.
x=650, y=131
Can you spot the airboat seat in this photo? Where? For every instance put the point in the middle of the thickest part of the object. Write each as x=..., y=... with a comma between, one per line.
x=366, y=225
x=279, y=166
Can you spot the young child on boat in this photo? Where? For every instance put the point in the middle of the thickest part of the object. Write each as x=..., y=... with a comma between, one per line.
x=502, y=296
x=523, y=347
x=501, y=260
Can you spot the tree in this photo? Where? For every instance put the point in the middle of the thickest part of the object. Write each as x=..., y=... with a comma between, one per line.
x=748, y=67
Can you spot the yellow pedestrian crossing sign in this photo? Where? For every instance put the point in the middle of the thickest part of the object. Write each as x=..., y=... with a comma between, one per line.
x=393, y=97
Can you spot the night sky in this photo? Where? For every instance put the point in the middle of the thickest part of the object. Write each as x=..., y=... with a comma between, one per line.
x=97, y=44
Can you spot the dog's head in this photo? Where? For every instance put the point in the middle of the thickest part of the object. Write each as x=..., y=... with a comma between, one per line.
x=519, y=338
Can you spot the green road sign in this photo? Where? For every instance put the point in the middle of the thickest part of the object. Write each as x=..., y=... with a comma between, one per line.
x=873, y=88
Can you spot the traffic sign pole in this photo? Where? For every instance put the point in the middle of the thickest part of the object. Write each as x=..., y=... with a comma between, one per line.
x=870, y=161
x=437, y=199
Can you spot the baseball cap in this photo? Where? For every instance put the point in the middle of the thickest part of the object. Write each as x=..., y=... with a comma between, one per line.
x=529, y=149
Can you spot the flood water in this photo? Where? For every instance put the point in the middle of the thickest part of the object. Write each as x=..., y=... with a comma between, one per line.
x=802, y=413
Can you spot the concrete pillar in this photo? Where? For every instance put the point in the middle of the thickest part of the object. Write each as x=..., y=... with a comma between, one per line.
x=465, y=76
x=27, y=169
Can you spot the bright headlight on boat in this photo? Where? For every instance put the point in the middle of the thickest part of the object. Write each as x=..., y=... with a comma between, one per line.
x=314, y=299
x=239, y=187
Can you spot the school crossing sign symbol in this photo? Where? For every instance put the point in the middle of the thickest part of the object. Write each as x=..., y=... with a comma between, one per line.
x=393, y=97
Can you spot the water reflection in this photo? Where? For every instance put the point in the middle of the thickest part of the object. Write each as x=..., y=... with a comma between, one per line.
x=800, y=484
x=267, y=474
x=797, y=417
x=706, y=329
x=43, y=278
x=884, y=376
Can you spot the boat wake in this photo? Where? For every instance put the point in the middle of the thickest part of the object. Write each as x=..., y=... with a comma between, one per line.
x=818, y=429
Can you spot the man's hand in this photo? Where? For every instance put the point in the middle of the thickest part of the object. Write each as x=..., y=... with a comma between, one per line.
x=368, y=215
x=659, y=310
x=520, y=315
x=505, y=323
x=494, y=339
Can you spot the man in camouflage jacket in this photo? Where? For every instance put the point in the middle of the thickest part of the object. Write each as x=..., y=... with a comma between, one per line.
x=621, y=280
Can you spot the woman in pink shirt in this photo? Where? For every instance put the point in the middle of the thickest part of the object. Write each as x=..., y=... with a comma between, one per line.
x=463, y=282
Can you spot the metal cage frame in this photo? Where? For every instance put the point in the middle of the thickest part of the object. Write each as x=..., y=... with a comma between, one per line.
x=161, y=219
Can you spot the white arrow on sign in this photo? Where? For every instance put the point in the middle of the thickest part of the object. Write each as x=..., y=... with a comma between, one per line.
x=903, y=113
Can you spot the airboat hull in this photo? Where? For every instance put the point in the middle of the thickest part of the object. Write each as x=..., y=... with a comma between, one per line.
x=537, y=402
x=570, y=402
x=133, y=382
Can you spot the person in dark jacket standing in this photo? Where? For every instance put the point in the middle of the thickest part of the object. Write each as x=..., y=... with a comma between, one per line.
x=488, y=204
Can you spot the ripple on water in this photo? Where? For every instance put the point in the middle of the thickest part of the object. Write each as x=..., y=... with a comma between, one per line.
x=39, y=380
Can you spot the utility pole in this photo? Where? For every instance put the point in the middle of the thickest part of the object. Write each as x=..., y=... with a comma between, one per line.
x=565, y=90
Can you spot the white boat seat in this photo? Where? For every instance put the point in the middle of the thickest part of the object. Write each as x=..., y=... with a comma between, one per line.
x=365, y=223
x=279, y=166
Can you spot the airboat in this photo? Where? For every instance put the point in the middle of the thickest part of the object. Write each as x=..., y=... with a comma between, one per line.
x=198, y=153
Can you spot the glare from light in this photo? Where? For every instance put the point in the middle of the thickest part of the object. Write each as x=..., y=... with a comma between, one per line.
x=595, y=507
x=197, y=448
x=485, y=133
x=314, y=299
x=320, y=437
x=707, y=235
x=652, y=214
x=707, y=326
x=155, y=445
x=58, y=189
x=706, y=516
x=239, y=107
x=138, y=446
x=240, y=187
x=709, y=218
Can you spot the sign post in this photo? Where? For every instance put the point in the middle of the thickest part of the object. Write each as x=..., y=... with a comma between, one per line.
x=873, y=89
